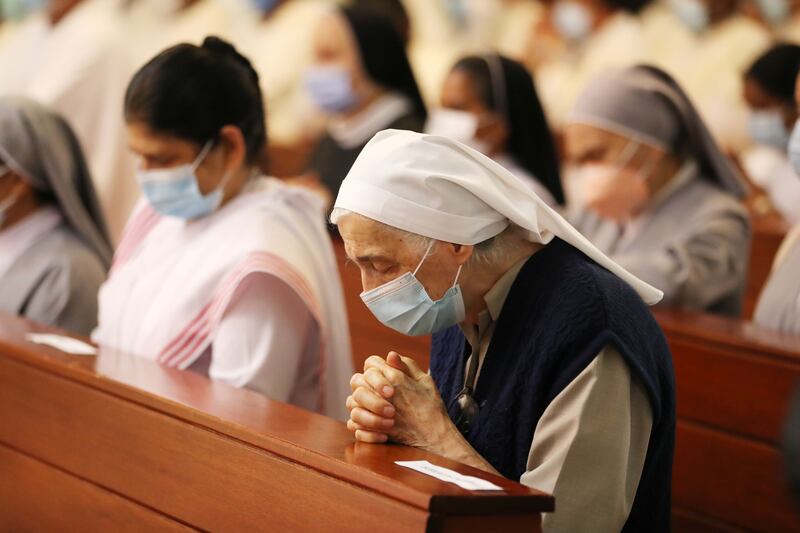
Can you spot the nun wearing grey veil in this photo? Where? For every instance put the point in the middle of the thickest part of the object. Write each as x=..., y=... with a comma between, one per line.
x=54, y=247
x=677, y=220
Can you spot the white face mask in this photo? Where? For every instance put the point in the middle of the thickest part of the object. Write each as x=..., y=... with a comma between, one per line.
x=613, y=191
x=460, y=126
x=573, y=20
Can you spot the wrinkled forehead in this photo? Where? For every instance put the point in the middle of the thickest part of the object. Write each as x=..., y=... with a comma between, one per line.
x=365, y=238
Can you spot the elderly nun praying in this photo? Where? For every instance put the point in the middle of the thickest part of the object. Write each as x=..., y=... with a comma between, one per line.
x=653, y=190
x=54, y=248
x=546, y=366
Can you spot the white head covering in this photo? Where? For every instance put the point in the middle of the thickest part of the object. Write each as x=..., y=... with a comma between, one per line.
x=439, y=188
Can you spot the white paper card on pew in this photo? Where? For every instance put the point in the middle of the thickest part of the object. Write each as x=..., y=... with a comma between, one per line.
x=451, y=476
x=60, y=342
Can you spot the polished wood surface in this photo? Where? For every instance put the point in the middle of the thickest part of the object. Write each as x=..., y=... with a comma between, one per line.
x=120, y=438
x=769, y=231
x=733, y=385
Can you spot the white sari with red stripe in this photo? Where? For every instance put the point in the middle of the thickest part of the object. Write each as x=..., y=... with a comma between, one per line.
x=172, y=281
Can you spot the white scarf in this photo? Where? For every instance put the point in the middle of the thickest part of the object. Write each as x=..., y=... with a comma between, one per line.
x=172, y=281
x=442, y=189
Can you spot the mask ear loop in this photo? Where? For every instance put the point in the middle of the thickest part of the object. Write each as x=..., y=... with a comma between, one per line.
x=458, y=273
x=428, y=251
x=202, y=155
x=627, y=155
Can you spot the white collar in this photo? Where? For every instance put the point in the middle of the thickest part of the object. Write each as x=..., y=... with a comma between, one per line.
x=358, y=130
x=16, y=240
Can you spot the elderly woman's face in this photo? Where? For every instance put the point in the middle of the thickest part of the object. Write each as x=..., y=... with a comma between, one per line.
x=383, y=255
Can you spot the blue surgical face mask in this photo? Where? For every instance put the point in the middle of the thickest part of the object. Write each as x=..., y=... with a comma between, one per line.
x=693, y=13
x=264, y=6
x=572, y=20
x=331, y=88
x=403, y=304
x=794, y=147
x=768, y=128
x=174, y=191
x=774, y=12
x=19, y=9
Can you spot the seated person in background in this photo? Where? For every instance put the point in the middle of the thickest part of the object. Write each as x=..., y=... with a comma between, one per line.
x=769, y=92
x=599, y=35
x=779, y=304
x=655, y=192
x=490, y=104
x=222, y=270
x=362, y=79
x=568, y=386
x=710, y=64
x=54, y=248
x=74, y=57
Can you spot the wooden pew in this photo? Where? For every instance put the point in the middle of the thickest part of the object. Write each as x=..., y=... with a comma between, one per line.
x=734, y=381
x=113, y=442
x=769, y=231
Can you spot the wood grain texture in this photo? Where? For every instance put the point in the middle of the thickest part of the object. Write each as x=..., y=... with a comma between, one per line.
x=768, y=234
x=734, y=382
x=35, y=496
x=216, y=457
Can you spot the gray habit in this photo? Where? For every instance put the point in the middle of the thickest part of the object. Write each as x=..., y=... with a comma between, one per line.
x=693, y=245
x=55, y=281
x=693, y=241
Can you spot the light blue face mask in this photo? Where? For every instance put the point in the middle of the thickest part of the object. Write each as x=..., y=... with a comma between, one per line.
x=403, y=304
x=174, y=191
x=693, y=13
x=264, y=6
x=331, y=88
x=767, y=128
x=572, y=20
x=17, y=10
x=794, y=147
x=774, y=12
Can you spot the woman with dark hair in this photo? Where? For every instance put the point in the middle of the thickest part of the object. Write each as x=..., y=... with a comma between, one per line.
x=709, y=65
x=54, y=247
x=490, y=103
x=769, y=93
x=362, y=80
x=220, y=269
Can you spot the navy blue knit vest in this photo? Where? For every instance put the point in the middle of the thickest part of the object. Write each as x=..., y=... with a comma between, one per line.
x=562, y=310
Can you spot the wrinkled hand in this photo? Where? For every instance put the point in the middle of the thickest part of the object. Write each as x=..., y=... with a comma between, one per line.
x=394, y=400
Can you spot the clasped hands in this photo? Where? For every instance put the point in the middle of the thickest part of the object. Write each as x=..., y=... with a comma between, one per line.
x=394, y=400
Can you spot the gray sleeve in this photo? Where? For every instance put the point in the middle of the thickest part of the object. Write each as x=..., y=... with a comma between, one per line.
x=701, y=269
x=66, y=296
x=589, y=448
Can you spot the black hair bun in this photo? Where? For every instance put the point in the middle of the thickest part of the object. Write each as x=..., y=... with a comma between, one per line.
x=224, y=48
